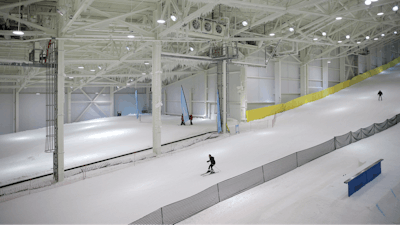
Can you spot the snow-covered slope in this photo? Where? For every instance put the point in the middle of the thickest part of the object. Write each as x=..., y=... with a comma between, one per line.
x=128, y=194
x=22, y=154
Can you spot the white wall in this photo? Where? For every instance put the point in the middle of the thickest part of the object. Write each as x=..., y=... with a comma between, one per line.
x=6, y=113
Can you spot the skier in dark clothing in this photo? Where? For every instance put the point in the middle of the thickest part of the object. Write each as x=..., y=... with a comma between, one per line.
x=212, y=161
x=380, y=95
x=191, y=118
x=183, y=121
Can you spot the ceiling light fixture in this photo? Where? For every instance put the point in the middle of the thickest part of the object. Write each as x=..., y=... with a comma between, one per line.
x=368, y=2
x=127, y=48
x=146, y=63
x=271, y=34
x=347, y=36
x=339, y=42
x=131, y=36
x=92, y=70
x=383, y=35
x=173, y=18
x=244, y=23
x=19, y=32
x=380, y=14
x=143, y=73
x=291, y=29
x=160, y=21
x=338, y=18
x=315, y=39
x=395, y=8
x=323, y=33
x=71, y=77
x=367, y=37
x=395, y=32
x=99, y=67
x=81, y=67
x=191, y=49
x=329, y=61
x=358, y=42
x=376, y=39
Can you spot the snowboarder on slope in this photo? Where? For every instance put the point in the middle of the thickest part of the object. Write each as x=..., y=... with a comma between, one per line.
x=212, y=161
x=191, y=118
x=183, y=121
x=380, y=95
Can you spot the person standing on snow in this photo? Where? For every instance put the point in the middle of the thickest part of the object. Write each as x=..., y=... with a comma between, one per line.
x=380, y=95
x=191, y=118
x=212, y=163
x=183, y=121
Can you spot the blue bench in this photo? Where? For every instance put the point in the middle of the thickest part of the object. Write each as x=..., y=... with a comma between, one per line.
x=359, y=180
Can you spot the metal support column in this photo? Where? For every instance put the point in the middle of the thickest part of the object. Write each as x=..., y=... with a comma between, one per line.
x=342, y=69
x=243, y=93
x=206, y=94
x=156, y=97
x=112, y=101
x=278, y=82
x=224, y=115
x=304, y=73
x=16, y=124
x=60, y=114
x=165, y=101
x=325, y=77
x=69, y=106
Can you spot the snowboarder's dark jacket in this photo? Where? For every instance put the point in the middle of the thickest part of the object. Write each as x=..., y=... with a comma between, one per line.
x=380, y=93
x=212, y=160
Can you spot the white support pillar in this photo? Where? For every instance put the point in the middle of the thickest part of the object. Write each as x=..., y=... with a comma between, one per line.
x=60, y=109
x=191, y=102
x=303, y=73
x=325, y=77
x=278, y=82
x=69, y=105
x=368, y=62
x=148, y=99
x=206, y=94
x=112, y=101
x=165, y=101
x=156, y=96
x=379, y=55
x=16, y=111
x=342, y=69
x=243, y=93
x=224, y=119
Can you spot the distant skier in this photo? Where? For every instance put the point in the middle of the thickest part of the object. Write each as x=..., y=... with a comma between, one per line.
x=380, y=95
x=191, y=118
x=212, y=163
x=183, y=121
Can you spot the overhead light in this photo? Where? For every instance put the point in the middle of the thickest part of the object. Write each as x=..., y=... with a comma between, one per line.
x=127, y=48
x=244, y=23
x=143, y=73
x=383, y=35
x=131, y=36
x=146, y=63
x=38, y=93
x=61, y=11
x=99, y=67
x=315, y=39
x=323, y=33
x=374, y=0
x=96, y=93
x=358, y=42
x=71, y=87
x=81, y=67
x=368, y=2
x=18, y=32
x=367, y=37
x=161, y=21
x=71, y=77
x=291, y=29
x=173, y=18
x=191, y=49
x=338, y=18
x=329, y=61
x=395, y=8
x=92, y=70
x=117, y=86
x=395, y=32
x=271, y=34
x=376, y=39
x=380, y=14
x=347, y=36
x=339, y=42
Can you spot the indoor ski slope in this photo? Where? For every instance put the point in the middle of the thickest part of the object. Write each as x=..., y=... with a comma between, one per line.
x=126, y=195
x=22, y=154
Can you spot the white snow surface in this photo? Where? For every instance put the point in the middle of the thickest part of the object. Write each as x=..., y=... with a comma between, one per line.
x=22, y=154
x=313, y=193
